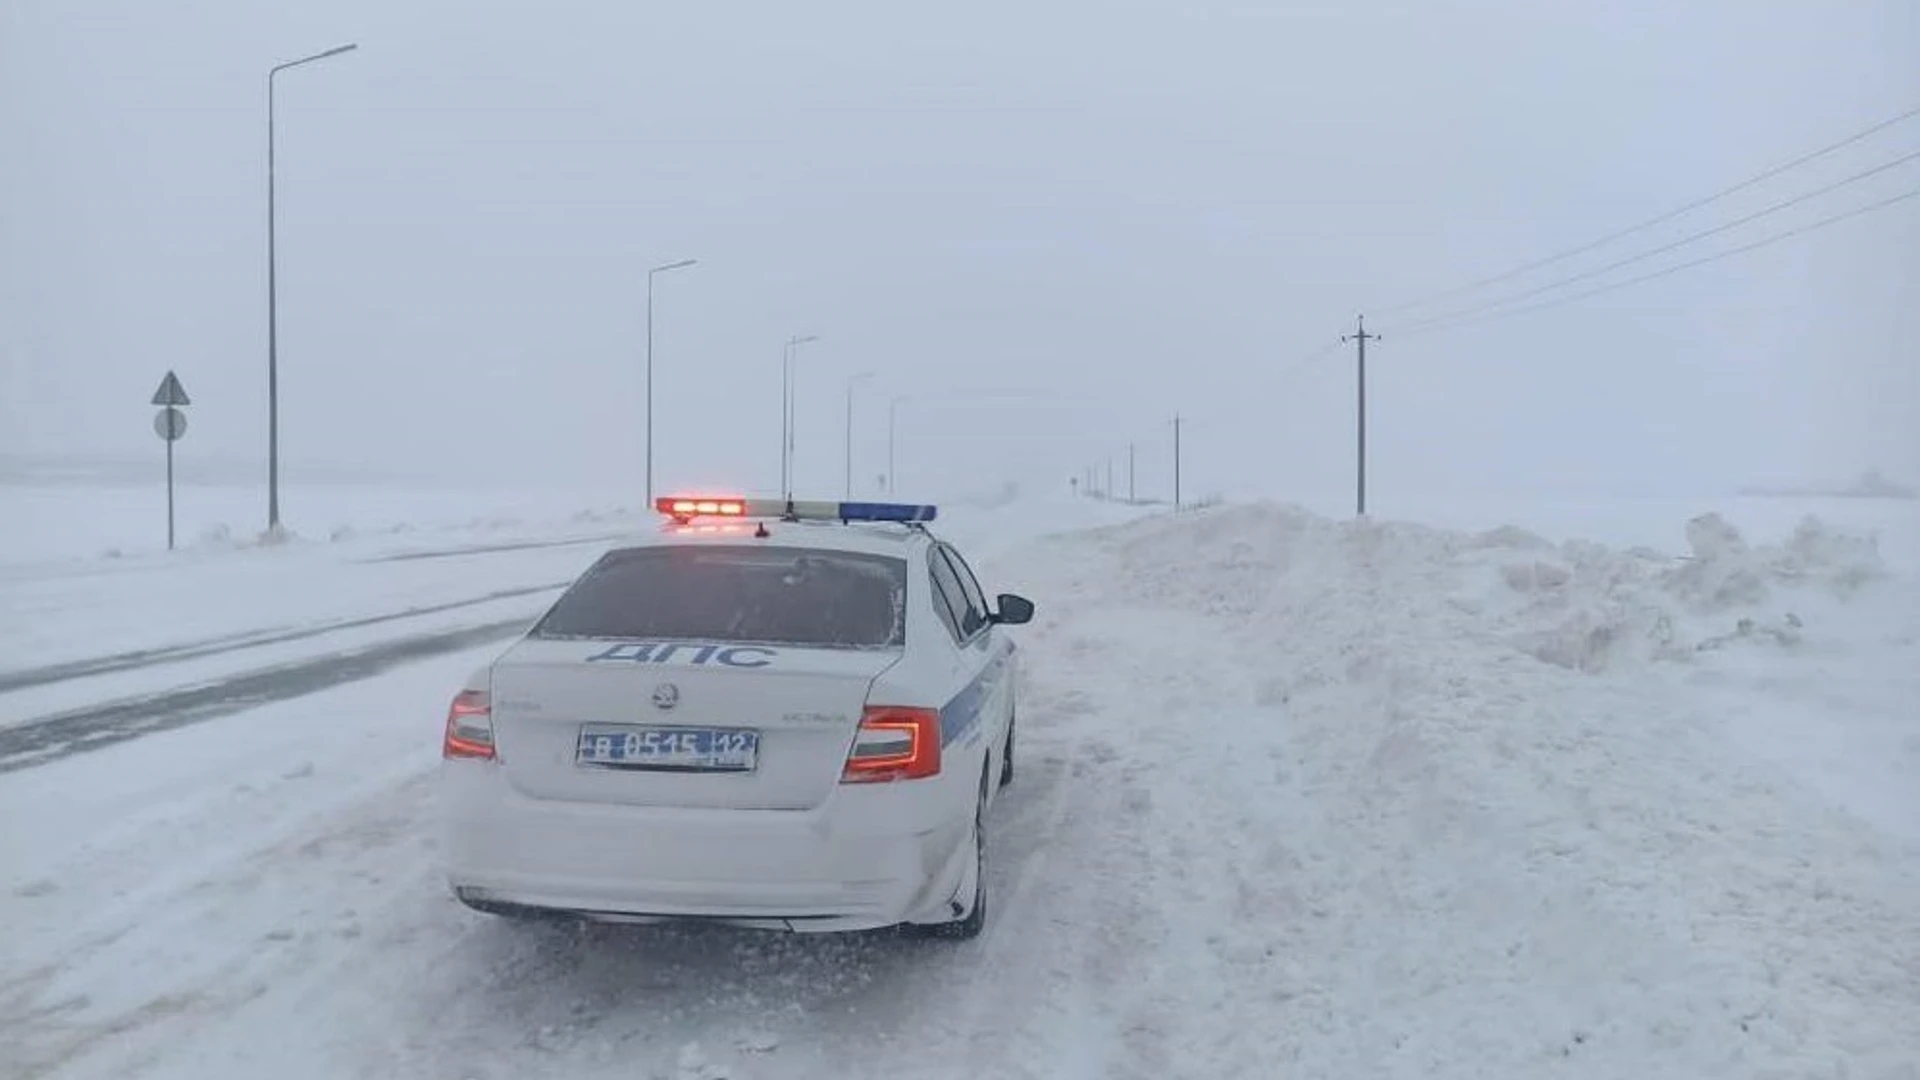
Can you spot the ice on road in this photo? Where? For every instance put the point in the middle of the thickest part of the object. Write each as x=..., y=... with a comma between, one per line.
x=1294, y=798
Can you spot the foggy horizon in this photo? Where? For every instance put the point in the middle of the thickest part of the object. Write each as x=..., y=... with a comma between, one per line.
x=1099, y=215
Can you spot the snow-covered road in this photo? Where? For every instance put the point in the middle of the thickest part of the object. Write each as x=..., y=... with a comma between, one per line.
x=1295, y=798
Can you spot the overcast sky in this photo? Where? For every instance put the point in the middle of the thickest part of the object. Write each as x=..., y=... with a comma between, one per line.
x=1100, y=211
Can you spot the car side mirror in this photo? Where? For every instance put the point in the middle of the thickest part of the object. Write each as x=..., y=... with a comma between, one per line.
x=1014, y=610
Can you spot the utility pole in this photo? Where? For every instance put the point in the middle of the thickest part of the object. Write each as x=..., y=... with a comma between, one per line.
x=1130, y=493
x=1361, y=337
x=786, y=417
x=1176, y=461
x=1109, y=478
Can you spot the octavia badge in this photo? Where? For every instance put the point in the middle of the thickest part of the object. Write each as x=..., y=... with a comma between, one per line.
x=666, y=696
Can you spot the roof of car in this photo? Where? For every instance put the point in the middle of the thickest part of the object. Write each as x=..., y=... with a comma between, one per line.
x=874, y=539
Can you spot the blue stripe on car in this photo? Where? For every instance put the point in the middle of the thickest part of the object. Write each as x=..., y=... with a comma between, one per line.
x=962, y=714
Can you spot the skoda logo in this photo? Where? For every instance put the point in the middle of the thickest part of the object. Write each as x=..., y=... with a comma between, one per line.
x=666, y=696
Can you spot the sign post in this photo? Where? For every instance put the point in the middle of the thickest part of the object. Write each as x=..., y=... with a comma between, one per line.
x=170, y=424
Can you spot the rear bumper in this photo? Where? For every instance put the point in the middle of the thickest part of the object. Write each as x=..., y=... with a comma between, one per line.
x=867, y=858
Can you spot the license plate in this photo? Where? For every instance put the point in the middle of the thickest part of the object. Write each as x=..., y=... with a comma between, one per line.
x=682, y=749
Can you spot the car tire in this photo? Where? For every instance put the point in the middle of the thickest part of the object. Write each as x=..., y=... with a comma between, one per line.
x=1006, y=758
x=968, y=928
x=473, y=902
x=511, y=912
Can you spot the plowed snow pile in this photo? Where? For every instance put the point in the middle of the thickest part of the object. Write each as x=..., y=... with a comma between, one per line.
x=1383, y=800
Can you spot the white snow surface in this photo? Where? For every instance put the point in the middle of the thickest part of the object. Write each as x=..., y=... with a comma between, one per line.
x=1295, y=797
x=107, y=518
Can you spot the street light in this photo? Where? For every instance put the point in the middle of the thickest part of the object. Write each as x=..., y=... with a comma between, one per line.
x=273, y=296
x=893, y=408
x=682, y=264
x=851, y=380
x=787, y=411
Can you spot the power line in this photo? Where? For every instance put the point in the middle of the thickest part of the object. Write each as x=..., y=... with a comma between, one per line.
x=1661, y=250
x=1310, y=359
x=1285, y=374
x=1741, y=250
x=1659, y=219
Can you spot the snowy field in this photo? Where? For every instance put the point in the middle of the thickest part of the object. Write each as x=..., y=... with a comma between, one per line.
x=1524, y=790
x=111, y=519
x=115, y=521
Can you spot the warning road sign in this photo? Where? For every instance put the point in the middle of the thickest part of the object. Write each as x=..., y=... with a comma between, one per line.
x=171, y=392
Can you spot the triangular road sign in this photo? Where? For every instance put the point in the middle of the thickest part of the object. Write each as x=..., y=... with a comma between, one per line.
x=171, y=392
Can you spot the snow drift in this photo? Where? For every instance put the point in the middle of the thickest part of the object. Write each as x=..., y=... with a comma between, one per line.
x=1577, y=605
x=1417, y=802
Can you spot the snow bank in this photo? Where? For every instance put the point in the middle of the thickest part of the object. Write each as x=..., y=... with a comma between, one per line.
x=1592, y=608
x=1400, y=801
x=1576, y=605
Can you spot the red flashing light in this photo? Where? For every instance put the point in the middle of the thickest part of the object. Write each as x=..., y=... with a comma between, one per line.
x=894, y=743
x=681, y=507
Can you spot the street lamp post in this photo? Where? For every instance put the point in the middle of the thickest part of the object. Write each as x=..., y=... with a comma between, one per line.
x=787, y=396
x=273, y=296
x=893, y=415
x=683, y=263
x=851, y=381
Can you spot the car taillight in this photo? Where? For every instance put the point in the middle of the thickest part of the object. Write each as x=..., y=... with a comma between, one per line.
x=894, y=743
x=469, y=727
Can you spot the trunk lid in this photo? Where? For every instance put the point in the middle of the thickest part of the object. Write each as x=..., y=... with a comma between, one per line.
x=802, y=706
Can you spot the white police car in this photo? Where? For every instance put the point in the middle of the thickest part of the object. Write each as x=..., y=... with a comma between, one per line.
x=772, y=714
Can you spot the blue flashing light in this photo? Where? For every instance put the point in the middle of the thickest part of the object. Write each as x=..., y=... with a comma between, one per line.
x=878, y=511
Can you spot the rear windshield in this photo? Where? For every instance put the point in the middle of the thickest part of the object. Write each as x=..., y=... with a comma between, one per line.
x=771, y=595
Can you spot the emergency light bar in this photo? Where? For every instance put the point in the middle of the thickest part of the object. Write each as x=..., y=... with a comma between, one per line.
x=687, y=507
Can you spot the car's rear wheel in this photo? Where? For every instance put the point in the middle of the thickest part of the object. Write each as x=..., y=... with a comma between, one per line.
x=1006, y=758
x=976, y=918
x=473, y=900
x=514, y=912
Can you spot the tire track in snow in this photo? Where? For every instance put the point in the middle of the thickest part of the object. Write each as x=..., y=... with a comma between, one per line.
x=1015, y=916
x=1166, y=997
x=1085, y=970
x=1171, y=888
x=49, y=738
x=226, y=643
x=1074, y=926
x=239, y=924
x=490, y=549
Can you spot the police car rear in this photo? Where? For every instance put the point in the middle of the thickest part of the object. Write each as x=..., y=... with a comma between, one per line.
x=715, y=723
